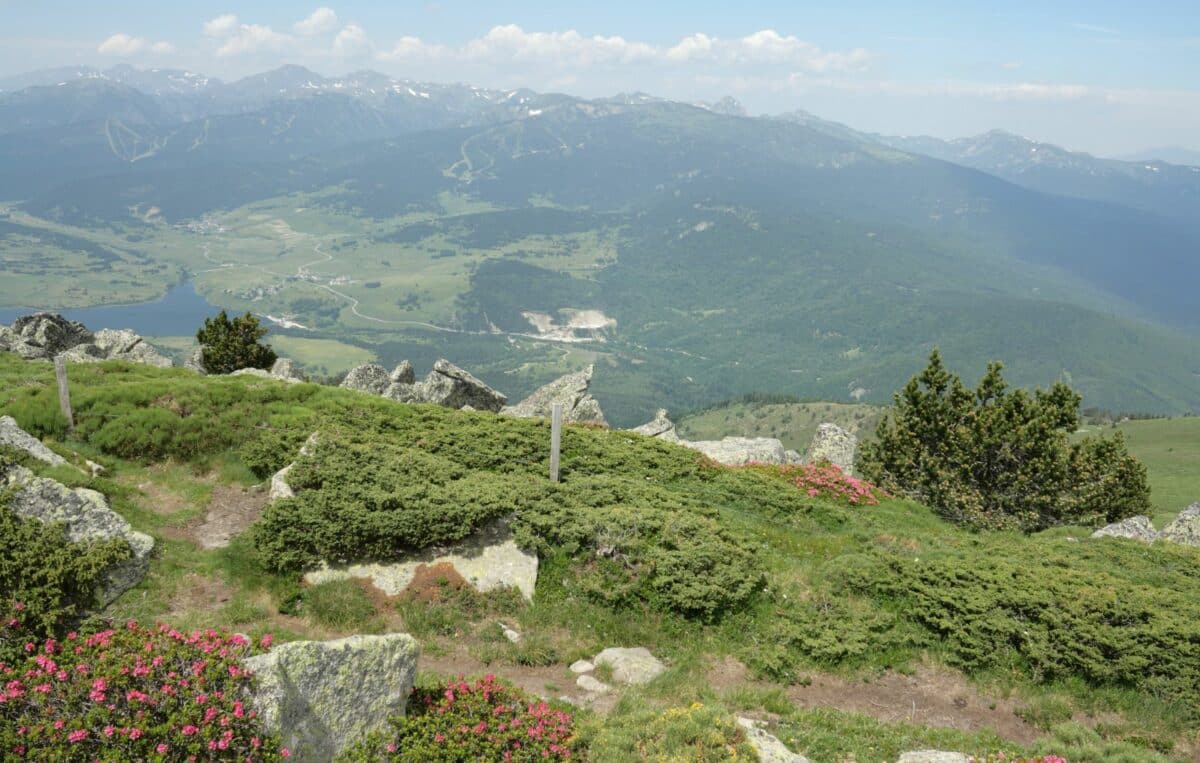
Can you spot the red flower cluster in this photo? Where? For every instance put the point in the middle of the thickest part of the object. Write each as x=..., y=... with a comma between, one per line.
x=826, y=481
x=131, y=693
x=484, y=720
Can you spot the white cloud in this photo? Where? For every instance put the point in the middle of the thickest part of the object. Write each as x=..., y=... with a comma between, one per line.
x=351, y=41
x=221, y=25
x=510, y=42
x=122, y=44
x=320, y=21
x=1095, y=28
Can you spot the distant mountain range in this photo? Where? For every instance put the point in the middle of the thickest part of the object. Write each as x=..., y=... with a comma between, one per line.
x=774, y=254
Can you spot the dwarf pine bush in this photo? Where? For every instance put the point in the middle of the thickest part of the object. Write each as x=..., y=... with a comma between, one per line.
x=998, y=458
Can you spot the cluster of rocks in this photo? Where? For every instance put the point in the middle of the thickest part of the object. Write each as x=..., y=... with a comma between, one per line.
x=630, y=666
x=85, y=514
x=43, y=336
x=446, y=385
x=284, y=370
x=831, y=443
x=1184, y=529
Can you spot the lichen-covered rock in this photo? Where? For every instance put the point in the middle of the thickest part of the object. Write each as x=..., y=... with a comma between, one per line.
x=286, y=368
x=12, y=436
x=1185, y=528
x=488, y=559
x=371, y=378
x=571, y=391
x=739, y=451
x=195, y=362
x=630, y=665
x=660, y=426
x=1134, y=528
x=450, y=386
x=86, y=516
x=932, y=756
x=769, y=748
x=403, y=374
x=833, y=444
x=279, y=485
x=264, y=374
x=323, y=696
x=123, y=344
x=44, y=335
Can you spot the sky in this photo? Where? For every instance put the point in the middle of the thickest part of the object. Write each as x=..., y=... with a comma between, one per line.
x=1111, y=78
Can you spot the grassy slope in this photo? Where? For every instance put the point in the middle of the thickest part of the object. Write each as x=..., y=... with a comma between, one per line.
x=1170, y=449
x=798, y=539
x=792, y=423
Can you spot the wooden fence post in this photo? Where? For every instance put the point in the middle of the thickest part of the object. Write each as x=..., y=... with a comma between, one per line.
x=64, y=392
x=556, y=414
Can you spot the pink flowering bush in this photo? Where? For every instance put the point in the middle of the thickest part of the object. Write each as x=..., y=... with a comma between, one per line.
x=131, y=693
x=826, y=482
x=461, y=721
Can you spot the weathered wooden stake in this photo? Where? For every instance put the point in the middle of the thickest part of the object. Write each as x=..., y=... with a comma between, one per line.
x=64, y=392
x=555, y=439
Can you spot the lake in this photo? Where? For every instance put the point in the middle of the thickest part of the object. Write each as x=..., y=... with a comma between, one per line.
x=180, y=312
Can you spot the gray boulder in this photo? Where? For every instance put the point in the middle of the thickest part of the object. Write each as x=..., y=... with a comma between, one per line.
x=123, y=344
x=768, y=747
x=285, y=368
x=450, y=386
x=13, y=436
x=630, y=665
x=264, y=374
x=403, y=374
x=739, y=451
x=87, y=517
x=1134, y=528
x=1185, y=528
x=195, y=362
x=279, y=484
x=833, y=444
x=44, y=335
x=371, y=378
x=571, y=391
x=660, y=427
x=323, y=696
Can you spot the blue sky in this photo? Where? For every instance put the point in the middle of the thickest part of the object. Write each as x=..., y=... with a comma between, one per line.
x=1106, y=77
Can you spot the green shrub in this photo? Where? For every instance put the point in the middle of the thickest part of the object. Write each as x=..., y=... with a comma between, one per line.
x=454, y=721
x=694, y=734
x=362, y=499
x=51, y=580
x=659, y=552
x=228, y=345
x=132, y=693
x=1001, y=459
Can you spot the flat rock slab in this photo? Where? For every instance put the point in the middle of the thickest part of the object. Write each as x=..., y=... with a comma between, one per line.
x=932, y=756
x=13, y=436
x=323, y=696
x=592, y=685
x=768, y=747
x=631, y=666
x=489, y=559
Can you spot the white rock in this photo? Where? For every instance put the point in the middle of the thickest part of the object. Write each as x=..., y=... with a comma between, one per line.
x=591, y=685
x=932, y=756
x=768, y=747
x=582, y=666
x=630, y=665
x=13, y=436
x=1133, y=528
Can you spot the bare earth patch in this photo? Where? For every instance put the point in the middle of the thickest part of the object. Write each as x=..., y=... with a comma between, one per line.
x=199, y=593
x=931, y=696
x=231, y=510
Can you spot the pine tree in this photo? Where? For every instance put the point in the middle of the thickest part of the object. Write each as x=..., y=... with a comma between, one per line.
x=228, y=345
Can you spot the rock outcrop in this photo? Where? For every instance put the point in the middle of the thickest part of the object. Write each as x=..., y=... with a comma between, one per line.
x=833, y=444
x=371, y=378
x=323, y=696
x=1134, y=528
x=488, y=559
x=283, y=370
x=1185, y=528
x=87, y=517
x=571, y=391
x=12, y=436
x=730, y=451
x=279, y=484
x=42, y=336
x=768, y=747
x=446, y=385
x=634, y=665
x=195, y=362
